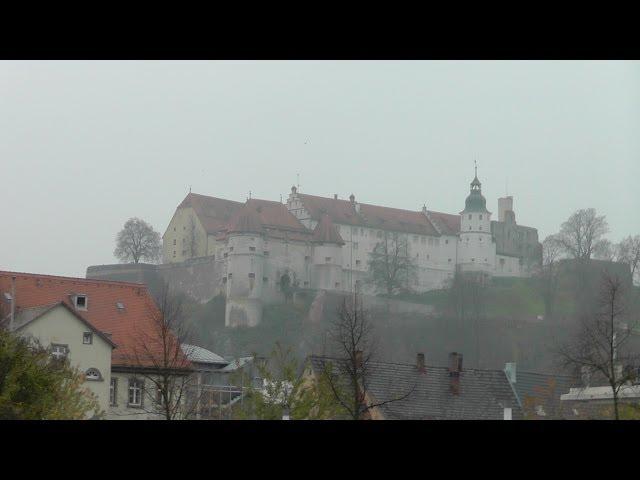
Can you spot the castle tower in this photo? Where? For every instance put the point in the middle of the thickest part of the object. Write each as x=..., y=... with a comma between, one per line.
x=476, y=248
x=245, y=265
x=327, y=256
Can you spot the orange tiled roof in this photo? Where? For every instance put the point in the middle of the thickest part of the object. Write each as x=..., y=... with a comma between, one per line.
x=133, y=329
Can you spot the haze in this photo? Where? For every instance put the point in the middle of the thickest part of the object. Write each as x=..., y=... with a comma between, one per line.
x=86, y=145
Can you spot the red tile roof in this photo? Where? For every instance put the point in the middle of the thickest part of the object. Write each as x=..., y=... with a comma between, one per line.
x=133, y=328
x=214, y=213
x=326, y=232
x=447, y=223
x=373, y=216
x=271, y=218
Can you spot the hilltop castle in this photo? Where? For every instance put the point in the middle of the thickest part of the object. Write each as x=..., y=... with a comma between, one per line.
x=259, y=247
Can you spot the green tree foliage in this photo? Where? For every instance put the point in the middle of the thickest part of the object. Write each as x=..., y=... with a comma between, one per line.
x=36, y=386
x=287, y=388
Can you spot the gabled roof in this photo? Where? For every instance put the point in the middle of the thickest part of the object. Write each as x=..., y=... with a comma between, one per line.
x=325, y=231
x=483, y=394
x=132, y=329
x=213, y=213
x=27, y=315
x=370, y=216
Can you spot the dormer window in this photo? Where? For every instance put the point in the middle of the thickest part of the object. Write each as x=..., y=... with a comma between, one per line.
x=80, y=302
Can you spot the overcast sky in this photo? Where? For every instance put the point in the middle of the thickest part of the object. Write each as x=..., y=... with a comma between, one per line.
x=86, y=145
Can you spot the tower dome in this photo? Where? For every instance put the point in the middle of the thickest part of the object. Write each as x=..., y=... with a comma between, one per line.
x=475, y=202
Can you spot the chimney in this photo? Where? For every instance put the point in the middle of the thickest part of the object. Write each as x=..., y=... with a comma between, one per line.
x=504, y=204
x=455, y=367
x=420, y=362
x=510, y=371
x=359, y=358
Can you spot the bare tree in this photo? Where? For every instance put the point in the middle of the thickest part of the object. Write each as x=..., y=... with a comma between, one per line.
x=601, y=345
x=158, y=358
x=137, y=241
x=549, y=273
x=348, y=378
x=581, y=236
x=390, y=267
x=628, y=251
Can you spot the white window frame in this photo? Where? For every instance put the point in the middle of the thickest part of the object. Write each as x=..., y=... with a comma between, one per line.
x=85, y=336
x=113, y=392
x=136, y=386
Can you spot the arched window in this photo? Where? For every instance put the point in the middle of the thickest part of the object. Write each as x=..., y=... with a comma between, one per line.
x=93, y=374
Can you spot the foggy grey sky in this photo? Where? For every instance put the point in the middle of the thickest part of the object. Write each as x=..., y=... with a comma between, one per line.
x=86, y=145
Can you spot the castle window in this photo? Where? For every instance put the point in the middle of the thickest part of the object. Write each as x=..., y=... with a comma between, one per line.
x=480, y=216
x=265, y=279
x=449, y=260
x=252, y=275
x=447, y=242
x=357, y=262
x=327, y=259
x=224, y=279
x=226, y=254
x=469, y=216
x=469, y=227
x=252, y=249
x=473, y=259
x=480, y=227
x=306, y=284
x=266, y=253
x=480, y=238
x=174, y=241
x=307, y=258
x=230, y=276
x=337, y=284
x=231, y=249
x=427, y=256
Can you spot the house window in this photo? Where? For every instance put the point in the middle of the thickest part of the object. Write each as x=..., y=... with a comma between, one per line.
x=59, y=351
x=87, y=338
x=135, y=392
x=81, y=302
x=113, y=392
x=93, y=374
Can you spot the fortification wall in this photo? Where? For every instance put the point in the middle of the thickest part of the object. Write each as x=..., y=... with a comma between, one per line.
x=200, y=278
